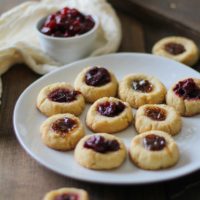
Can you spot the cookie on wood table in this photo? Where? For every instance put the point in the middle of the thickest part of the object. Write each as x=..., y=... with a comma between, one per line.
x=96, y=82
x=62, y=131
x=158, y=117
x=67, y=194
x=177, y=48
x=154, y=150
x=184, y=96
x=60, y=98
x=140, y=89
x=100, y=151
x=109, y=115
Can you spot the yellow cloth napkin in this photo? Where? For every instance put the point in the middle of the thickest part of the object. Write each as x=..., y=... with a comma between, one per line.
x=18, y=38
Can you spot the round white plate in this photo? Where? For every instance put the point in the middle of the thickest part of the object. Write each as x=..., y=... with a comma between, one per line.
x=27, y=120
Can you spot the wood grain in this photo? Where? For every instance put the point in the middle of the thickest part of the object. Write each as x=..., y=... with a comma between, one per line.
x=21, y=177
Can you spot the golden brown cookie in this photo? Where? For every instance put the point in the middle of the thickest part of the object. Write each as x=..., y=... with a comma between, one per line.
x=154, y=150
x=184, y=96
x=140, y=89
x=180, y=49
x=60, y=98
x=100, y=151
x=96, y=82
x=109, y=115
x=158, y=117
x=62, y=131
x=67, y=193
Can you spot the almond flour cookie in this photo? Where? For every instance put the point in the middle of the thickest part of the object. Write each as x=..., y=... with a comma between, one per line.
x=67, y=194
x=100, y=151
x=96, y=82
x=140, y=89
x=158, y=117
x=180, y=49
x=154, y=150
x=62, y=131
x=109, y=115
x=184, y=96
x=60, y=98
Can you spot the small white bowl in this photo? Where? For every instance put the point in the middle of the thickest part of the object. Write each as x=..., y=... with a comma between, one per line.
x=68, y=49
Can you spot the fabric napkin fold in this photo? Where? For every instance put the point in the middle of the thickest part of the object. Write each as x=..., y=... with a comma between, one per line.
x=18, y=37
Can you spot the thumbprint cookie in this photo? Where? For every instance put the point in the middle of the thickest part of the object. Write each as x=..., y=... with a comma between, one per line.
x=96, y=82
x=62, y=131
x=60, y=98
x=140, y=89
x=158, y=117
x=180, y=49
x=109, y=115
x=184, y=96
x=67, y=194
x=154, y=150
x=100, y=151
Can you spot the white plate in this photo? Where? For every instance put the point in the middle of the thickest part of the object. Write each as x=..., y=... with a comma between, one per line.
x=27, y=120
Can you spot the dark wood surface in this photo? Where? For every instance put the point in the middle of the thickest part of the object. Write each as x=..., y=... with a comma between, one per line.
x=22, y=178
x=180, y=13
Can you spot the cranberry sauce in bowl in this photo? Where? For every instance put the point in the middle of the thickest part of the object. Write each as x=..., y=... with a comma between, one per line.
x=67, y=35
x=67, y=22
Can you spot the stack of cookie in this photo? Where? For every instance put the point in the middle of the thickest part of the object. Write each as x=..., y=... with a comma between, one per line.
x=155, y=122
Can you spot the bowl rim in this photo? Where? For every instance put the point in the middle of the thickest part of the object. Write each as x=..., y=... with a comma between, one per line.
x=41, y=20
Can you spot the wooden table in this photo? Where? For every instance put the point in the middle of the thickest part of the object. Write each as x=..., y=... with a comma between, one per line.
x=22, y=178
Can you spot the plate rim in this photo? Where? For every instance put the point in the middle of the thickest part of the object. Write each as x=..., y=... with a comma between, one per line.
x=50, y=167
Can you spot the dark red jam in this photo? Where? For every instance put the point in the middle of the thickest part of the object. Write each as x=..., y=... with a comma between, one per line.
x=63, y=95
x=97, y=76
x=110, y=109
x=67, y=196
x=155, y=113
x=142, y=86
x=154, y=142
x=100, y=144
x=187, y=89
x=64, y=125
x=174, y=48
x=67, y=22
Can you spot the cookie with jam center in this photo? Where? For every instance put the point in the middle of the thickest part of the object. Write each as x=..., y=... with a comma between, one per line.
x=153, y=150
x=140, y=89
x=184, y=96
x=96, y=82
x=158, y=117
x=177, y=48
x=100, y=151
x=109, y=115
x=67, y=193
x=58, y=98
x=62, y=131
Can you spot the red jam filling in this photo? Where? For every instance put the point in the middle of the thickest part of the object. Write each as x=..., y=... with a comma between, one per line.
x=187, y=89
x=62, y=95
x=67, y=196
x=155, y=113
x=110, y=109
x=67, y=22
x=174, y=48
x=64, y=125
x=97, y=76
x=142, y=86
x=154, y=142
x=101, y=145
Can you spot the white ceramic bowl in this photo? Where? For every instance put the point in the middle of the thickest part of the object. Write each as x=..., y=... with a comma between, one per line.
x=69, y=49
